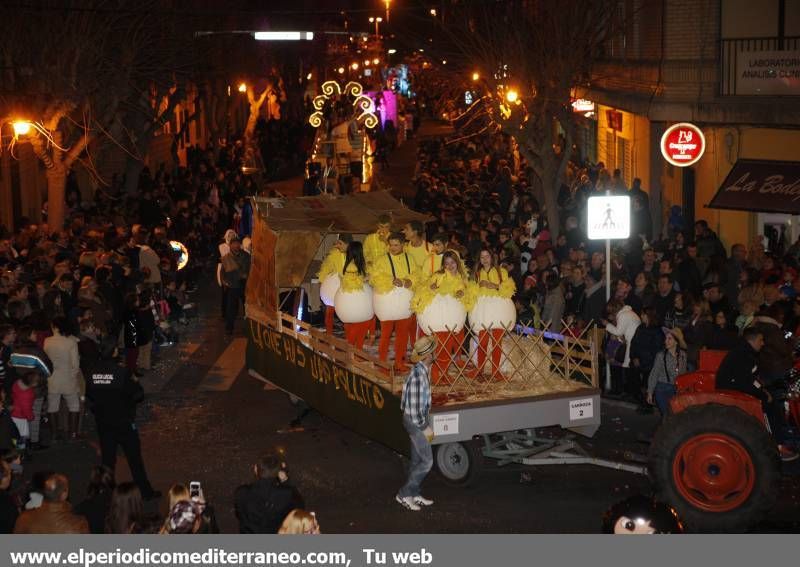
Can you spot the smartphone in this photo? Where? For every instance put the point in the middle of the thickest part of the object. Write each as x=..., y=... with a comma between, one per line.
x=194, y=490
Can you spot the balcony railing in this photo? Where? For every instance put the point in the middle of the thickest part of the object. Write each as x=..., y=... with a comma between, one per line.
x=732, y=52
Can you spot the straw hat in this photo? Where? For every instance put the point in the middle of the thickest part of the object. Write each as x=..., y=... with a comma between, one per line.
x=422, y=348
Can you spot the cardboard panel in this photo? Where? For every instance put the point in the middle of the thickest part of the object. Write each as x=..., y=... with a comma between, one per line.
x=262, y=289
x=294, y=253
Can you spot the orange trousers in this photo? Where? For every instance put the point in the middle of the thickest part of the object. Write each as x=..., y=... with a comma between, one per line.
x=496, y=349
x=356, y=333
x=402, y=329
x=447, y=347
x=329, y=312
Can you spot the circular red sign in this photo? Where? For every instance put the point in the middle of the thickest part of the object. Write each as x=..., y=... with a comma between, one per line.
x=683, y=144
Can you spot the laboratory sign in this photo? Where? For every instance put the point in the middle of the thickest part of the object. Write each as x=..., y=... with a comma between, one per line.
x=761, y=186
x=768, y=73
x=683, y=144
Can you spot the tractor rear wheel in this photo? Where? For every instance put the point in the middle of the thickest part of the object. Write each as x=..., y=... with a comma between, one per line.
x=717, y=466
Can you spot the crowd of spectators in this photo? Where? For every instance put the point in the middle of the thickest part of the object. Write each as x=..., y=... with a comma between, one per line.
x=103, y=295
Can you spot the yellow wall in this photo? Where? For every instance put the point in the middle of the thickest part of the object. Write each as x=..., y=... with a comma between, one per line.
x=636, y=130
x=724, y=147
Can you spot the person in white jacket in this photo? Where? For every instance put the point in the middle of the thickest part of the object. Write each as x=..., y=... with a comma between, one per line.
x=626, y=321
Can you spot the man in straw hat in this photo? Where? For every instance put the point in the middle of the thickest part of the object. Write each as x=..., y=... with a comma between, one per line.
x=416, y=404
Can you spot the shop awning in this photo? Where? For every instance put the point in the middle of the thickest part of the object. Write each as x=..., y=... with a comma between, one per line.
x=762, y=186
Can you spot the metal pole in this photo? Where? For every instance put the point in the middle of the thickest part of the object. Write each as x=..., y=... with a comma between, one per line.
x=608, y=296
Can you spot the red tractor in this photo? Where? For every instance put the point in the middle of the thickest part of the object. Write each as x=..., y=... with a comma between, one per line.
x=714, y=459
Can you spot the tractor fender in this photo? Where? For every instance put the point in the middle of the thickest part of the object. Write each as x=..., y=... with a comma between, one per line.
x=744, y=402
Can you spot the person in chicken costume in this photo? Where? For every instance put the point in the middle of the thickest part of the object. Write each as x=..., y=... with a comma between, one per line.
x=494, y=311
x=376, y=245
x=433, y=263
x=393, y=278
x=353, y=300
x=441, y=305
x=417, y=247
x=330, y=277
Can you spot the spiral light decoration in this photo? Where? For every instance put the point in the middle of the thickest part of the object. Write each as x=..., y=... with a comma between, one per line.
x=319, y=102
x=364, y=103
x=329, y=88
x=353, y=88
x=370, y=120
x=315, y=119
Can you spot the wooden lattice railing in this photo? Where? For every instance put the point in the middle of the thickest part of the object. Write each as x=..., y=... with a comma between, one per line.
x=532, y=361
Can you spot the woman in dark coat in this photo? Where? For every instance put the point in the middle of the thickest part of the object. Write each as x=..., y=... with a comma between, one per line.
x=646, y=343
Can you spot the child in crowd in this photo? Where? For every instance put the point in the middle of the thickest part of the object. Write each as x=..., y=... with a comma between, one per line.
x=23, y=394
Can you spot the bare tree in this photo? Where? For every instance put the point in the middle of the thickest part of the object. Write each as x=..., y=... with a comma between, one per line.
x=86, y=71
x=530, y=55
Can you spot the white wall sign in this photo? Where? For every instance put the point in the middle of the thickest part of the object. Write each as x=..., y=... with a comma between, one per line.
x=581, y=409
x=768, y=72
x=609, y=217
x=445, y=424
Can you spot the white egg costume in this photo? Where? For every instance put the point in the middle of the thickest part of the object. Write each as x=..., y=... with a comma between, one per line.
x=492, y=312
x=354, y=306
x=328, y=288
x=444, y=313
x=393, y=306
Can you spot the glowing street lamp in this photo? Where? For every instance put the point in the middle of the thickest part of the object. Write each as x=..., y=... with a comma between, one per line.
x=376, y=61
x=377, y=21
x=476, y=76
x=433, y=12
x=22, y=127
x=242, y=88
x=341, y=70
x=354, y=66
x=512, y=96
x=366, y=62
x=283, y=35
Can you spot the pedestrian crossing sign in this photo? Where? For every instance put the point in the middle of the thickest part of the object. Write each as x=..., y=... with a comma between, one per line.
x=609, y=217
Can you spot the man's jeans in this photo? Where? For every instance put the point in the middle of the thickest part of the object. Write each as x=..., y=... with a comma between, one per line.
x=421, y=459
x=234, y=298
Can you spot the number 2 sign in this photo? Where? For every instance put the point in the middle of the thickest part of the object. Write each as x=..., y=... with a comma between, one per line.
x=581, y=409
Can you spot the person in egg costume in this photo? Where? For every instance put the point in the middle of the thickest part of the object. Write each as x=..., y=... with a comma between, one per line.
x=441, y=305
x=353, y=300
x=494, y=310
x=330, y=277
x=393, y=277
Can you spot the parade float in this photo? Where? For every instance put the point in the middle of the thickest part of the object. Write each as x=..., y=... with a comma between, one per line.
x=548, y=379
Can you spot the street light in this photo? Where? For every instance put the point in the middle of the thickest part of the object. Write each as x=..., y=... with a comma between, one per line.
x=476, y=76
x=512, y=95
x=283, y=35
x=377, y=21
x=21, y=127
x=433, y=12
x=376, y=61
x=341, y=70
x=354, y=66
x=242, y=88
x=366, y=62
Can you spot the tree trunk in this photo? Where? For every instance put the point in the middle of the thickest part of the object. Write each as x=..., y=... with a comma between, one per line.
x=133, y=170
x=56, y=197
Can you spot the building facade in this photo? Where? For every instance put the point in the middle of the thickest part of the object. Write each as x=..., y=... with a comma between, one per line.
x=731, y=67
